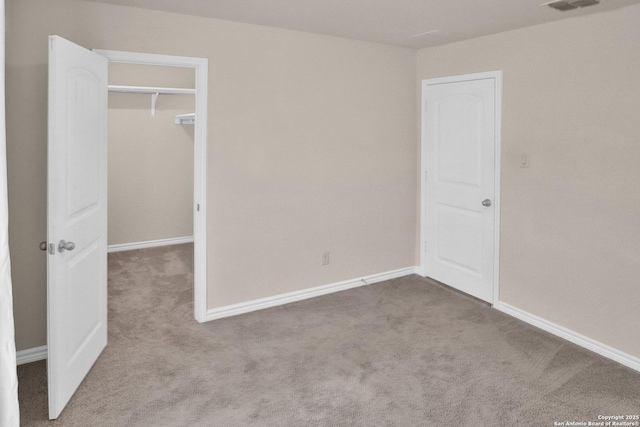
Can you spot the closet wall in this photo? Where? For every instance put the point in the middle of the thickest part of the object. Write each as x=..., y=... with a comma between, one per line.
x=150, y=157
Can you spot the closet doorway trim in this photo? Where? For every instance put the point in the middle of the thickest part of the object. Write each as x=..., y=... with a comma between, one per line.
x=200, y=65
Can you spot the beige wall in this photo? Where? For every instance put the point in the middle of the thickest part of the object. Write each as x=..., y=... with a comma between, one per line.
x=570, y=242
x=150, y=157
x=311, y=148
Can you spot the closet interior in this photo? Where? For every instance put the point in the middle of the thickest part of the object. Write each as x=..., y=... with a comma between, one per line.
x=151, y=137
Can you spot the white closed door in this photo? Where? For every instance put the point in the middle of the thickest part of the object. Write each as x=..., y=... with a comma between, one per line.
x=77, y=217
x=459, y=206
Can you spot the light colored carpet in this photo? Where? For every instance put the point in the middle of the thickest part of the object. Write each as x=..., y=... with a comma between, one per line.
x=407, y=352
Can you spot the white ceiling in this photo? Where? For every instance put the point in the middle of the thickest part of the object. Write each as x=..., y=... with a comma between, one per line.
x=382, y=21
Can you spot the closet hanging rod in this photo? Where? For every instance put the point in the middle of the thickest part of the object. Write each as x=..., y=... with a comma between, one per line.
x=152, y=90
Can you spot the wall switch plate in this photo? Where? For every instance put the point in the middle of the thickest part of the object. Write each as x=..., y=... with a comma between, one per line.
x=325, y=258
x=524, y=161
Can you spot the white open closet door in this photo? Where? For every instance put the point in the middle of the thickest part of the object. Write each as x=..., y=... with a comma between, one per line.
x=77, y=217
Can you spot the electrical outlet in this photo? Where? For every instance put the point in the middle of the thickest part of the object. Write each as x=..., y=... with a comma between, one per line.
x=325, y=258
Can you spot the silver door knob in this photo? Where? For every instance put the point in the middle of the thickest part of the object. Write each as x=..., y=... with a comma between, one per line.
x=486, y=202
x=66, y=246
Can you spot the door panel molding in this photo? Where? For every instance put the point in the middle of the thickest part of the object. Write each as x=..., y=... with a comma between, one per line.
x=496, y=76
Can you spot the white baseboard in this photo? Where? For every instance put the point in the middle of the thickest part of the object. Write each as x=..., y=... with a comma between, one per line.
x=40, y=353
x=31, y=355
x=418, y=270
x=276, y=300
x=569, y=335
x=149, y=244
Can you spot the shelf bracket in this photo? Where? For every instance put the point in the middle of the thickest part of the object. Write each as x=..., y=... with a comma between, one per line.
x=154, y=98
x=186, y=119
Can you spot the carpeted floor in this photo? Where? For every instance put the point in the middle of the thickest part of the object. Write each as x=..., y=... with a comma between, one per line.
x=407, y=352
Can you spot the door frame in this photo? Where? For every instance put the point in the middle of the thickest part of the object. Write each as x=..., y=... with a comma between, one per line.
x=497, y=77
x=200, y=160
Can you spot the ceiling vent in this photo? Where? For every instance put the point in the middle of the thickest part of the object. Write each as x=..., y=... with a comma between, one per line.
x=564, y=5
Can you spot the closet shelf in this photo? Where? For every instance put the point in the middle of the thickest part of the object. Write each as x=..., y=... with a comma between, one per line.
x=153, y=91
x=186, y=119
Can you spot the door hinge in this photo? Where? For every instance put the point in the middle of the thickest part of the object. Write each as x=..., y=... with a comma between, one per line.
x=198, y=207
